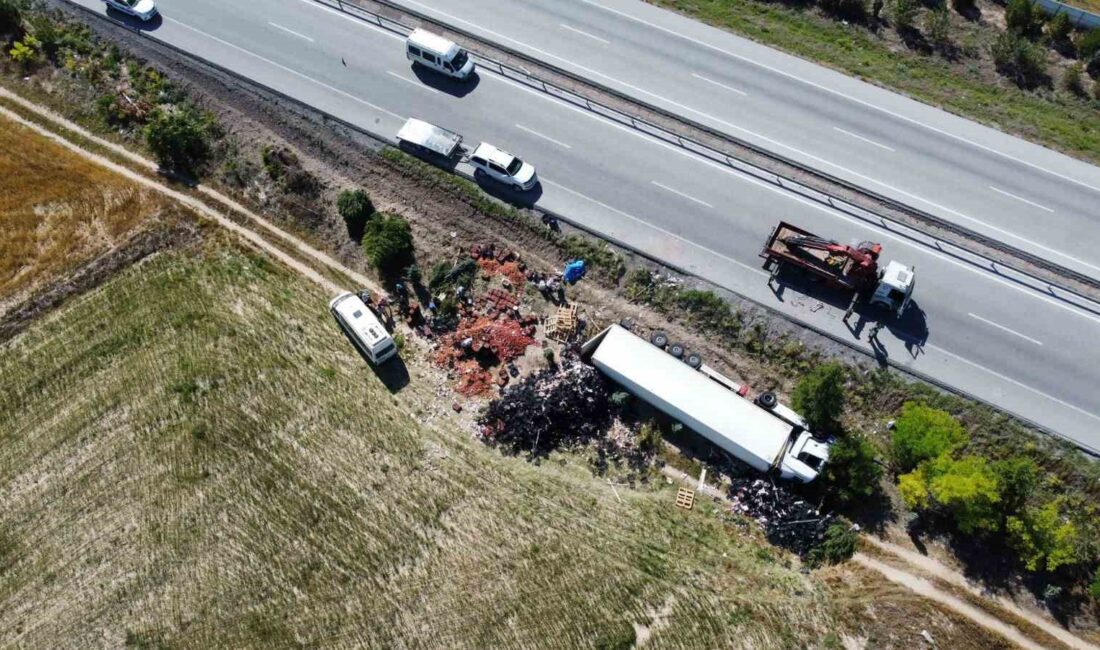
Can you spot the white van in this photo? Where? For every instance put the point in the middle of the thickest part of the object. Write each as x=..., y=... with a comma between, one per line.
x=435, y=52
x=363, y=327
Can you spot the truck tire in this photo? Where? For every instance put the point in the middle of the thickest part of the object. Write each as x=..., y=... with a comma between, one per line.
x=627, y=323
x=660, y=339
x=693, y=360
x=767, y=400
x=676, y=350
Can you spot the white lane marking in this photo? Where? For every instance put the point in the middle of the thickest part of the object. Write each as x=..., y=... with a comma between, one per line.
x=1027, y=291
x=679, y=193
x=290, y=31
x=1012, y=381
x=592, y=36
x=410, y=81
x=860, y=137
x=1002, y=327
x=751, y=269
x=544, y=137
x=286, y=69
x=844, y=95
x=1020, y=198
x=720, y=85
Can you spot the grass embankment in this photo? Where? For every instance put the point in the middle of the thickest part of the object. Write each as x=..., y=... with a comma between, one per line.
x=966, y=86
x=58, y=211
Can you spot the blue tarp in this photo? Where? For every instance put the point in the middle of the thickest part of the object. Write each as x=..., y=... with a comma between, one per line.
x=574, y=271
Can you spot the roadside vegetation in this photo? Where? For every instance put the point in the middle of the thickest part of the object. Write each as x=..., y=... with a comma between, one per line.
x=272, y=345
x=1006, y=65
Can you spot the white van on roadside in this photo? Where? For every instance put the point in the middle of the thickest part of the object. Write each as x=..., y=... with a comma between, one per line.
x=439, y=54
x=363, y=328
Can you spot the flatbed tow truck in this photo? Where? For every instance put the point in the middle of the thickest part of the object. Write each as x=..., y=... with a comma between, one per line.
x=853, y=268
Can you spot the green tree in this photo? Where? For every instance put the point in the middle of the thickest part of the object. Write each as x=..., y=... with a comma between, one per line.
x=180, y=138
x=1059, y=29
x=914, y=489
x=25, y=52
x=852, y=471
x=967, y=489
x=1022, y=17
x=355, y=207
x=1019, y=59
x=923, y=433
x=1045, y=538
x=1072, y=79
x=388, y=244
x=904, y=12
x=837, y=545
x=1088, y=45
x=819, y=397
x=11, y=17
x=1094, y=587
x=937, y=23
x=1017, y=478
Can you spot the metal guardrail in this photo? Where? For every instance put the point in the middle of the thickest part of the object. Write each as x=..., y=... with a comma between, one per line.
x=957, y=252
x=1080, y=18
x=177, y=51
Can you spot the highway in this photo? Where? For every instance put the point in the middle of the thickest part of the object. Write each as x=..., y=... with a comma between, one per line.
x=1014, y=347
x=1011, y=190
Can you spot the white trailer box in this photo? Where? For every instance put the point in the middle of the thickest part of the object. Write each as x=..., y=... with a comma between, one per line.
x=738, y=426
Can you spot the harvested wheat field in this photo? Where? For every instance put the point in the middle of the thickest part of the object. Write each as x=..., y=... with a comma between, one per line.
x=58, y=211
x=193, y=456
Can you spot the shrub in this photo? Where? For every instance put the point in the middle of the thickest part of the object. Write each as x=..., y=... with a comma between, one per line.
x=11, y=17
x=923, y=433
x=964, y=6
x=24, y=52
x=1019, y=59
x=852, y=471
x=180, y=138
x=1059, y=29
x=1022, y=17
x=1017, y=478
x=649, y=437
x=1045, y=538
x=1072, y=80
x=967, y=489
x=903, y=13
x=1088, y=45
x=355, y=207
x=849, y=9
x=819, y=397
x=1094, y=587
x=838, y=544
x=938, y=25
x=388, y=244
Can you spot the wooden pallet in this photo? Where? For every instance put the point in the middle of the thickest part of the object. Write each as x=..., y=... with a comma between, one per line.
x=562, y=326
x=685, y=498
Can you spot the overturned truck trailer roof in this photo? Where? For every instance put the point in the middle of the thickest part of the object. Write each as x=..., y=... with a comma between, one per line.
x=733, y=423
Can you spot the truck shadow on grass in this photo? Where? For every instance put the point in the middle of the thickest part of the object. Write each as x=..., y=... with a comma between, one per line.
x=393, y=373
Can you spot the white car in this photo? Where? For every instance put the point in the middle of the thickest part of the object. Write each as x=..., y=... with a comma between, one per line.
x=140, y=9
x=503, y=167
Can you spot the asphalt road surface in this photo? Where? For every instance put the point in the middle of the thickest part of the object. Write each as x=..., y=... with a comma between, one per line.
x=1013, y=191
x=1020, y=349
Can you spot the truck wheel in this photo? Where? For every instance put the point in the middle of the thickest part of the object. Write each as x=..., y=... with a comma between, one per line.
x=660, y=339
x=676, y=350
x=767, y=400
x=627, y=323
x=694, y=360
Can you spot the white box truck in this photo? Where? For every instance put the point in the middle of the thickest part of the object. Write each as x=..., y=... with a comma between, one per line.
x=767, y=438
x=362, y=327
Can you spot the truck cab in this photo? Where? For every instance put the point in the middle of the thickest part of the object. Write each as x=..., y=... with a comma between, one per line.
x=895, y=288
x=805, y=459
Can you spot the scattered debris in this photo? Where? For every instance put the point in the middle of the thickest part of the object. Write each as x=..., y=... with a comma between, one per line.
x=562, y=326
x=788, y=520
x=574, y=271
x=548, y=409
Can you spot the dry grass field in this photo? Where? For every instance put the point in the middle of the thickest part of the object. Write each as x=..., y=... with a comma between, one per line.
x=57, y=211
x=193, y=456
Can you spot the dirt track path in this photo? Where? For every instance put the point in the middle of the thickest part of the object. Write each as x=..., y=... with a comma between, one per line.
x=911, y=581
x=256, y=240
x=927, y=589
